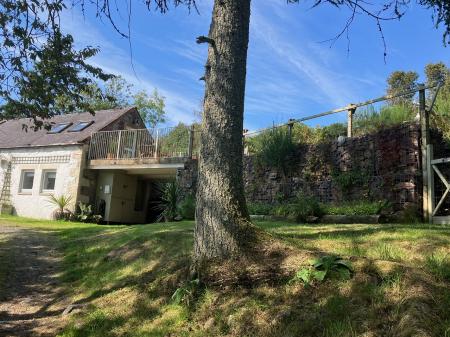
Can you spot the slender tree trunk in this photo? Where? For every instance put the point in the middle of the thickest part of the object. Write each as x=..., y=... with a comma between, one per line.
x=223, y=227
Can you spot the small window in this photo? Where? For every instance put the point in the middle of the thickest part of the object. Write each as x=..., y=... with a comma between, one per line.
x=80, y=126
x=48, y=181
x=26, y=181
x=57, y=128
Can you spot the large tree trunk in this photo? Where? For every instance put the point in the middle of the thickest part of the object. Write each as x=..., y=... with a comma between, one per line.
x=223, y=227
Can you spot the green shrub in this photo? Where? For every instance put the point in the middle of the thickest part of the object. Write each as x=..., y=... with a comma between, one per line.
x=62, y=202
x=85, y=213
x=371, y=120
x=306, y=206
x=187, y=207
x=299, y=209
x=259, y=208
x=273, y=148
x=356, y=208
x=168, y=204
x=285, y=210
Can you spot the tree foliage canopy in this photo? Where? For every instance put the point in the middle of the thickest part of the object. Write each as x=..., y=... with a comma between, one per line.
x=118, y=93
x=39, y=63
x=401, y=81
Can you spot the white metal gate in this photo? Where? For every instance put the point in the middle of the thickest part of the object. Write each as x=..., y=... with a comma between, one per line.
x=434, y=166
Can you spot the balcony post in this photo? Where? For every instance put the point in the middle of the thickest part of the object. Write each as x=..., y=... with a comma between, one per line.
x=118, y=144
x=133, y=154
x=156, y=143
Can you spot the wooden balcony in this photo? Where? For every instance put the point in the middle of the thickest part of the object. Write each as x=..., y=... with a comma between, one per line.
x=141, y=148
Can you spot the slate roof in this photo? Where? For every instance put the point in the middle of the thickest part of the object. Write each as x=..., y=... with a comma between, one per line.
x=12, y=134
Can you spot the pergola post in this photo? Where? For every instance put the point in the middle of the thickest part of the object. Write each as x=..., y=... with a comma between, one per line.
x=290, y=127
x=350, y=112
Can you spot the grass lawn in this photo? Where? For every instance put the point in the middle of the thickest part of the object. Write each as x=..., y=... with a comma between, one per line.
x=127, y=274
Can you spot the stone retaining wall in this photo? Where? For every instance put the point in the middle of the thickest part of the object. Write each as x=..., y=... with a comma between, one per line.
x=382, y=166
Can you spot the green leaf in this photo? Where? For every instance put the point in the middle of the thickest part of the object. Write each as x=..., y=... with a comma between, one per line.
x=345, y=264
x=320, y=275
x=304, y=275
x=344, y=274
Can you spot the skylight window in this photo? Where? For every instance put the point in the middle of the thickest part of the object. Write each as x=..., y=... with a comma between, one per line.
x=80, y=126
x=57, y=128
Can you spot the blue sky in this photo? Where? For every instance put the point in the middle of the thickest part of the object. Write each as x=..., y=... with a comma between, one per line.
x=290, y=74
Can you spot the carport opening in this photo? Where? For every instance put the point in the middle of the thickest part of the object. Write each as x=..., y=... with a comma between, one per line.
x=149, y=194
x=154, y=199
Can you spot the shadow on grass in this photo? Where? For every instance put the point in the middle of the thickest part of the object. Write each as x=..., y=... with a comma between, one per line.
x=126, y=276
x=383, y=299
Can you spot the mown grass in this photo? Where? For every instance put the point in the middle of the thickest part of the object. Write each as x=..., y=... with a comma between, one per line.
x=125, y=275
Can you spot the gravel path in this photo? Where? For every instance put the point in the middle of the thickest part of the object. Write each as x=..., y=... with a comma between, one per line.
x=31, y=301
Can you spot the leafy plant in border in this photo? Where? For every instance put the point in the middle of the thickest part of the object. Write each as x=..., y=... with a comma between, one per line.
x=62, y=202
x=328, y=266
x=187, y=207
x=168, y=205
x=185, y=294
x=85, y=213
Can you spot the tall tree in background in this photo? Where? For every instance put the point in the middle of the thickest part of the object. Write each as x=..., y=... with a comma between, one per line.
x=437, y=72
x=223, y=227
x=38, y=63
x=440, y=73
x=401, y=81
x=118, y=93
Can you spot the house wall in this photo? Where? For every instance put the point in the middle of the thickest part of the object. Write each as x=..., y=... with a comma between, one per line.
x=128, y=121
x=66, y=160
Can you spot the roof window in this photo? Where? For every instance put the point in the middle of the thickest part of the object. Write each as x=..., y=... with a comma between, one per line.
x=80, y=126
x=57, y=128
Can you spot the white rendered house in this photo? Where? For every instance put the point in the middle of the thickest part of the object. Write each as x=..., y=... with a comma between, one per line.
x=108, y=160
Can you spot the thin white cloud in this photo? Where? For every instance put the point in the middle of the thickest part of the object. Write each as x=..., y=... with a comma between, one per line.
x=116, y=60
x=304, y=61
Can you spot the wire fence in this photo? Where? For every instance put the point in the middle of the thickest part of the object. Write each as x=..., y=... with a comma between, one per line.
x=362, y=118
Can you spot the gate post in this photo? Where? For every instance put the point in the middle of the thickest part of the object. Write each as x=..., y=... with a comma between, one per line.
x=425, y=140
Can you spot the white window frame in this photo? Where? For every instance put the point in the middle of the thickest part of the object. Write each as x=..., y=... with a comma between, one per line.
x=44, y=173
x=22, y=179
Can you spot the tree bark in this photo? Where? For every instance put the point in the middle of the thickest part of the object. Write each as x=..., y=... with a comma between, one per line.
x=223, y=227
